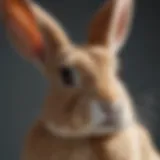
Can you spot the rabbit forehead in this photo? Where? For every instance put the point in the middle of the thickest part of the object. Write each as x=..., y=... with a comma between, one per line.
x=96, y=56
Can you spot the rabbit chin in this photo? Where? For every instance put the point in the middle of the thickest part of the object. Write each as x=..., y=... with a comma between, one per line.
x=100, y=124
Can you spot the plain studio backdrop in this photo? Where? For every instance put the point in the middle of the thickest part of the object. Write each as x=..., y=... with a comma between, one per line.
x=22, y=88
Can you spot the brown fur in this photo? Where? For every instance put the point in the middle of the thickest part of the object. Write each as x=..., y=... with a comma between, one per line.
x=64, y=129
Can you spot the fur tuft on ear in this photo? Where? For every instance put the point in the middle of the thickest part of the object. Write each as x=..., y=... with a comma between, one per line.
x=111, y=25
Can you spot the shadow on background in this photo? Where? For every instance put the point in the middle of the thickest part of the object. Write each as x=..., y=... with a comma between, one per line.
x=22, y=88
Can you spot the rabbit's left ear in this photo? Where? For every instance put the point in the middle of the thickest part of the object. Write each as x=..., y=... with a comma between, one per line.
x=111, y=24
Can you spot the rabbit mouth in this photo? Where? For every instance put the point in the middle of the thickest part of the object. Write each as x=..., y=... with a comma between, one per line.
x=101, y=122
x=104, y=116
x=109, y=119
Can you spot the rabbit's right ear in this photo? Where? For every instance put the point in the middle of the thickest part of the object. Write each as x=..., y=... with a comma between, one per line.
x=31, y=29
x=111, y=24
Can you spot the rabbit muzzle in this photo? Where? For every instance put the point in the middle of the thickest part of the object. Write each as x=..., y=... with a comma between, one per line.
x=109, y=118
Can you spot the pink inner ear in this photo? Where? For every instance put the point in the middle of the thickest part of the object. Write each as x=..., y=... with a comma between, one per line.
x=24, y=27
x=122, y=23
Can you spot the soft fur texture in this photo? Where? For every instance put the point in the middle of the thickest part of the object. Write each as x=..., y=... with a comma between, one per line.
x=93, y=119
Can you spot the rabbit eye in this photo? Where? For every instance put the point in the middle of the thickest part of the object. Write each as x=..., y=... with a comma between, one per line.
x=69, y=76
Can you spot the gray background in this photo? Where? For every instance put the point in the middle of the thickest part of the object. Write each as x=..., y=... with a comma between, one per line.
x=22, y=88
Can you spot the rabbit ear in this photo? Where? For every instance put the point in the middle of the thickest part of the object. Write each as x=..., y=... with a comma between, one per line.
x=54, y=35
x=111, y=24
x=22, y=28
x=27, y=25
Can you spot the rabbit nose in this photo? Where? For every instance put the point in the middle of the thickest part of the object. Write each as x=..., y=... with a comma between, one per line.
x=110, y=107
x=104, y=112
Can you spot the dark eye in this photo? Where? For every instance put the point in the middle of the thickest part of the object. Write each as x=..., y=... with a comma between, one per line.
x=68, y=76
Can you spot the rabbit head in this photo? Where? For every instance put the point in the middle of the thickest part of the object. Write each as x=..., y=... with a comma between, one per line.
x=86, y=96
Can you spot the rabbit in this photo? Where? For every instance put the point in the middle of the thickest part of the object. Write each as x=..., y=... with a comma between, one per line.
x=88, y=113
